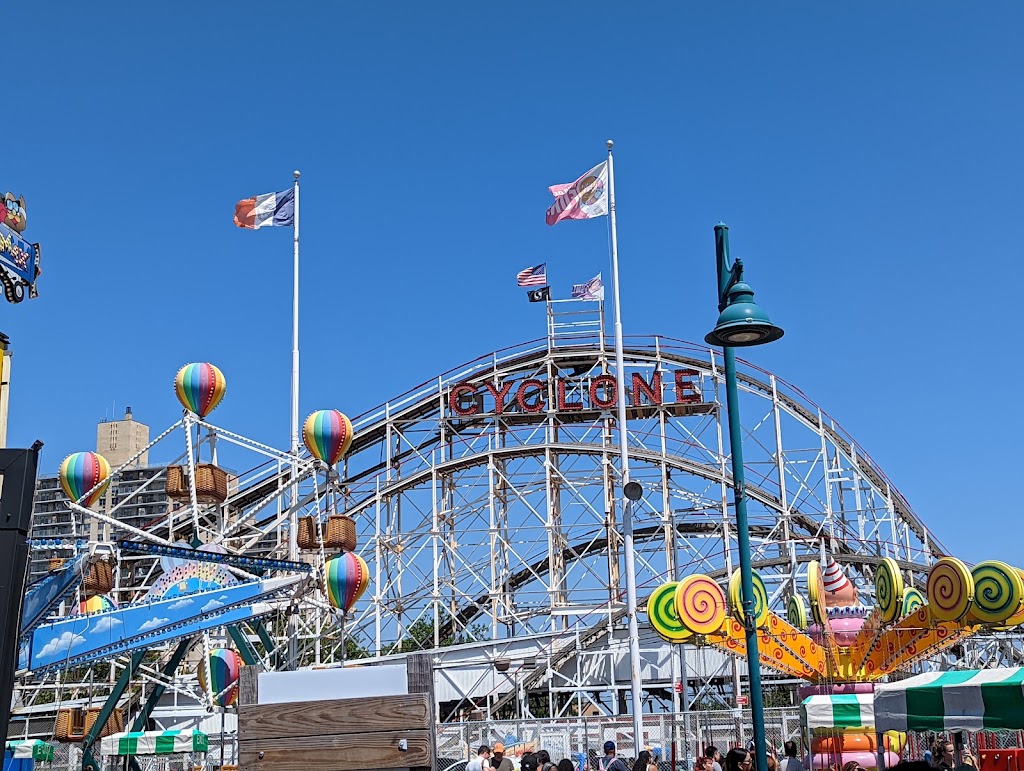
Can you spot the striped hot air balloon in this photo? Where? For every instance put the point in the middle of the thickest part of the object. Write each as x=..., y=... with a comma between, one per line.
x=327, y=435
x=347, y=579
x=80, y=472
x=96, y=604
x=225, y=664
x=199, y=388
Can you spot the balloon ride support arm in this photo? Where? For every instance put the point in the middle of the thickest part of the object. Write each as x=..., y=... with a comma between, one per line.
x=158, y=689
x=268, y=644
x=89, y=763
x=249, y=655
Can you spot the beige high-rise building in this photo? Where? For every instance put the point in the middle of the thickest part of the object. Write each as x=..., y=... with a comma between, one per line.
x=119, y=440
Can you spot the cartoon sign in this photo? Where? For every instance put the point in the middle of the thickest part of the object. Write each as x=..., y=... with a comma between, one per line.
x=19, y=264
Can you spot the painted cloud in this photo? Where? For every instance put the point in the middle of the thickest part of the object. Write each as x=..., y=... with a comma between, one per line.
x=62, y=644
x=153, y=623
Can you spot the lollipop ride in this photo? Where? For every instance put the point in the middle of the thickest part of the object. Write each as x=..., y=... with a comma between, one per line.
x=842, y=647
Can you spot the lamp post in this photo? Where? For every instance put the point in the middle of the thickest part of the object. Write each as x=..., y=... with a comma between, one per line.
x=741, y=323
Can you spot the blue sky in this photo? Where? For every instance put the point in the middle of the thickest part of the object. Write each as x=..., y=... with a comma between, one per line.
x=865, y=156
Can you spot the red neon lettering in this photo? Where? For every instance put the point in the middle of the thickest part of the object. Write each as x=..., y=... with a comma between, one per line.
x=499, y=396
x=651, y=391
x=562, y=404
x=521, y=396
x=460, y=406
x=607, y=384
x=686, y=390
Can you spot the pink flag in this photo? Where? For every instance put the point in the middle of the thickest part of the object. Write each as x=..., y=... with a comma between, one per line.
x=580, y=200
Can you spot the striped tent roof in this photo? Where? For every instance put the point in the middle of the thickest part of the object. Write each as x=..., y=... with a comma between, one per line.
x=154, y=743
x=966, y=700
x=36, y=749
x=853, y=710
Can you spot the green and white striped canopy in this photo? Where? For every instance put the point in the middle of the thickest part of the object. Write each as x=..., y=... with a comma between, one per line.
x=31, y=748
x=852, y=710
x=966, y=700
x=154, y=743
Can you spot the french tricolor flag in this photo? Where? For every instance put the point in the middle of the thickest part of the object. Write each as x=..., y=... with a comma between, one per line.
x=268, y=210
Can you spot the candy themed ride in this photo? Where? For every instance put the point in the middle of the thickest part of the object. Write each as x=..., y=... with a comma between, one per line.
x=475, y=516
x=841, y=647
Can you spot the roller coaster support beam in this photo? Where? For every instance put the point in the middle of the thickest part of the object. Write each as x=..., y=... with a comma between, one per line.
x=18, y=480
x=89, y=763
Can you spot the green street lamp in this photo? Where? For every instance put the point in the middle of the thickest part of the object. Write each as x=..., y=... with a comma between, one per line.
x=741, y=323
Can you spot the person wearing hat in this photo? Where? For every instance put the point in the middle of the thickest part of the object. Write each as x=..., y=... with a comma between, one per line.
x=499, y=761
x=609, y=762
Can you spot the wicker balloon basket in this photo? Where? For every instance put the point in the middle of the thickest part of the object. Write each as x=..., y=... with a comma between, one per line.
x=100, y=579
x=73, y=724
x=54, y=564
x=338, y=532
x=211, y=483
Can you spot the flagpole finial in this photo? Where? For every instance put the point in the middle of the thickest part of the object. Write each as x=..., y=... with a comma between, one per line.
x=610, y=144
x=296, y=174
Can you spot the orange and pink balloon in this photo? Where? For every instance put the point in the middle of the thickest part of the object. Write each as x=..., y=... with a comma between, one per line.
x=200, y=387
x=82, y=471
x=327, y=435
x=347, y=579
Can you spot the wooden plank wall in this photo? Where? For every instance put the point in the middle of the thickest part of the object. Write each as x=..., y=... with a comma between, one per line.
x=361, y=734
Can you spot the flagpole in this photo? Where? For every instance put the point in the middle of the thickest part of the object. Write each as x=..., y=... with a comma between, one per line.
x=627, y=503
x=295, y=326
x=293, y=520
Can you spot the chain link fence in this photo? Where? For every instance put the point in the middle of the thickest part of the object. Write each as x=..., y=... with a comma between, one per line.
x=674, y=739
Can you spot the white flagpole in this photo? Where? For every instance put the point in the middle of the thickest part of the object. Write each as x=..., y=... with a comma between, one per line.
x=627, y=504
x=295, y=327
x=293, y=520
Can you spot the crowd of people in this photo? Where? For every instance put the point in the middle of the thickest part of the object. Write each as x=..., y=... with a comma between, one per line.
x=941, y=757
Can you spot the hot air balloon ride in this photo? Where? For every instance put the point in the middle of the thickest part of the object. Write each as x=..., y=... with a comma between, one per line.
x=200, y=388
x=81, y=472
x=225, y=664
x=327, y=435
x=347, y=579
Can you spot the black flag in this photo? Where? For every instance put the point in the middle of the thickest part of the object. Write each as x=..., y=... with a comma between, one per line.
x=539, y=295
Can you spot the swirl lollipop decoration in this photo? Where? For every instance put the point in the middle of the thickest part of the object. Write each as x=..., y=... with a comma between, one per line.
x=347, y=579
x=661, y=612
x=327, y=435
x=80, y=472
x=816, y=593
x=889, y=589
x=998, y=591
x=200, y=388
x=700, y=604
x=796, y=612
x=912, y=600
x=225, y=664
x=950, y=589
x=760, y=598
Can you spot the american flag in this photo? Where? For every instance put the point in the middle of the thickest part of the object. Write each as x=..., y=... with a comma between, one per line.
x=535, y=276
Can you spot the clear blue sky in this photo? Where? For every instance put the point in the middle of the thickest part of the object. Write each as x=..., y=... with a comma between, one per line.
x=867, y=158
